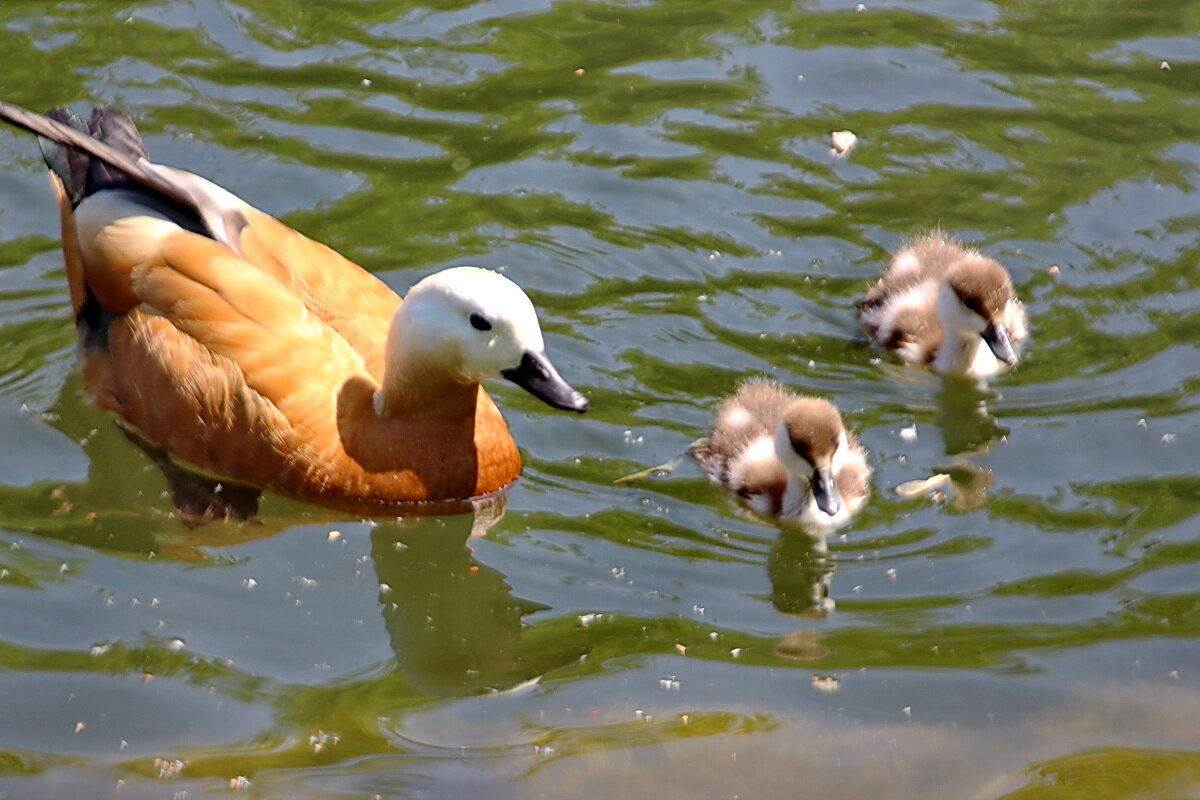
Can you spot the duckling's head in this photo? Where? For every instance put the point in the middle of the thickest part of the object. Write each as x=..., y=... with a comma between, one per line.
x=978, y=300
x=810, y=441
x=477, y=324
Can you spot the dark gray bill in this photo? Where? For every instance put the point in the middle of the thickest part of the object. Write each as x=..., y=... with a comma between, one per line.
x=1001, y=346
x=536, y=375
x=824, y=489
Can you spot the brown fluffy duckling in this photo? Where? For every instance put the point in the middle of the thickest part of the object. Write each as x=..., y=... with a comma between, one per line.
x=946, y=306
x=787, y=455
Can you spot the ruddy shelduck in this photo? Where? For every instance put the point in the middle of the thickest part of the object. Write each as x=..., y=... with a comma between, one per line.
x=787, y=455
x=238, y=345
x=947, y=307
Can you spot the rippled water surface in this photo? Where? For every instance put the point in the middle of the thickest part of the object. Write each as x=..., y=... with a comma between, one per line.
x=658, y=175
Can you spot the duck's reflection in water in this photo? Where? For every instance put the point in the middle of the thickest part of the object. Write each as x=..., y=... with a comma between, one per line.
x=453, y=623
x=801, y=571
x=966, y=426
x=968, y=430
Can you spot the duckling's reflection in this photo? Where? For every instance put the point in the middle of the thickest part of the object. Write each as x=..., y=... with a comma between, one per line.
x=453, y=623
x=968, y=429
x=801, y=571
x=963, y=418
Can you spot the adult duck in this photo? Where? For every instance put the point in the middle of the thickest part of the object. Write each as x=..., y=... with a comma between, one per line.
x=233, y=343
x=948, y=307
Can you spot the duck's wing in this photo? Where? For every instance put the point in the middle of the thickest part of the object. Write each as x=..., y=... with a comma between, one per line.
x=219, y=363
x=347, y=298
x=107, y=153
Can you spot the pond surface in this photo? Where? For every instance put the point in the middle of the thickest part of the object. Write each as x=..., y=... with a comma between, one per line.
x=658, y=176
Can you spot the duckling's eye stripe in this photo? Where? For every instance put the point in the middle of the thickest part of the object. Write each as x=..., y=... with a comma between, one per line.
x=479, y=322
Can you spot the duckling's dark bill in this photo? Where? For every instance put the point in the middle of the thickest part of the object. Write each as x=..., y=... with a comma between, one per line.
x=536, y=375
x=999, y=342
x=825, y=493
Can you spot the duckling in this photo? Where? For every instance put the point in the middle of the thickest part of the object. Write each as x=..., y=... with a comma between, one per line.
x=946, y=306
x=787, y=455
x=239, y=346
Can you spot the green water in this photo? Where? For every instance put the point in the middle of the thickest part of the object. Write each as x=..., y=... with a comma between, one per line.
x=658, y=176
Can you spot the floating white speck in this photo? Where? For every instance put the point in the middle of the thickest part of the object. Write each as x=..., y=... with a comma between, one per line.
x=843, y=142
x=908, y=434
x=827, y=683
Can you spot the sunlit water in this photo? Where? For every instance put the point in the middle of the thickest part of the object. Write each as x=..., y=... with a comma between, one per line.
x=658, y=175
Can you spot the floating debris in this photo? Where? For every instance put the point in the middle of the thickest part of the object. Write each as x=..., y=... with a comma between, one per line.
x=843, y=142
x=918, y=487
x=826, y=683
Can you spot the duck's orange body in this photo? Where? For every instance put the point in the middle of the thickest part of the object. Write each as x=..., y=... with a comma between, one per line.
x=262, y=367
x=236, y=344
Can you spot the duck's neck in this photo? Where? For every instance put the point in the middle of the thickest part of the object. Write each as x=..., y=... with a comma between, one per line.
x=420, y=379
x=414, y=389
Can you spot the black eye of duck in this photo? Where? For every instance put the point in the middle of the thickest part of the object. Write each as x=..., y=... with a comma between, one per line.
x=480, y=322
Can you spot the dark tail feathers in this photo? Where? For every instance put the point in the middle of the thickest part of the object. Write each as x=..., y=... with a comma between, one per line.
x=108, y=153
x=106, y=150
x=80, y=174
